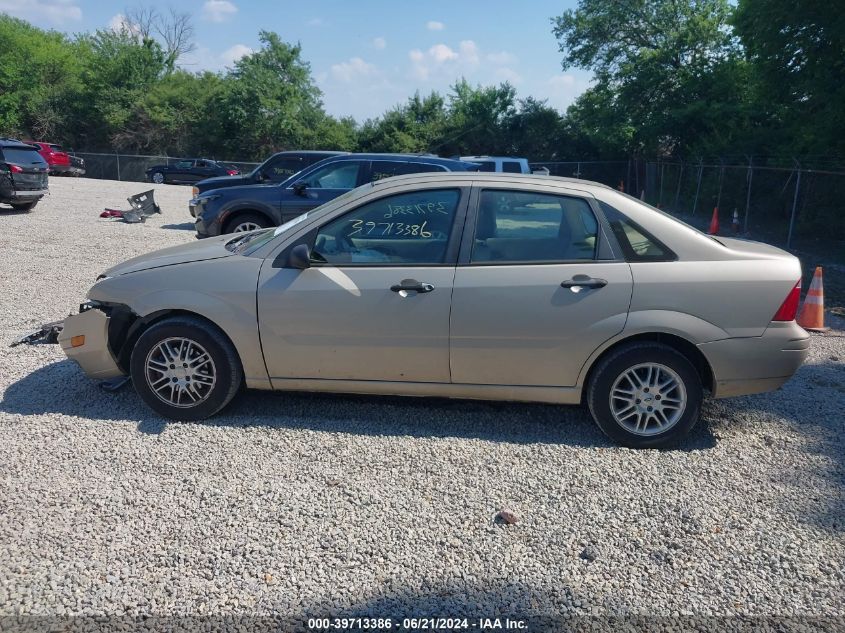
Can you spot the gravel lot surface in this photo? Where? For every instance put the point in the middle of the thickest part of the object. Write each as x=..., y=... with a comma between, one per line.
x=314, y=504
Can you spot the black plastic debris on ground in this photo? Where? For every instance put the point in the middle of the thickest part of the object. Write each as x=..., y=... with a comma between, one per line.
x=48, y=334
x=143, y=205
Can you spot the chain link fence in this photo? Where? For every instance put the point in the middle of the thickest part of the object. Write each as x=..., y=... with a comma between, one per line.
x=796, y=207
x=133, y=167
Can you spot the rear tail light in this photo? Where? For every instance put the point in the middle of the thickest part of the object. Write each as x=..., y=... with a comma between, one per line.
x=789, y=308
x=232, y=172
x=15, y=169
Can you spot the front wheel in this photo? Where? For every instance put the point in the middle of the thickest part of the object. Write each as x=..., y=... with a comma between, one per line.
x=26, y=206
x=645, y=395
x=184, y=368
x=247, y=222
x=157, y=177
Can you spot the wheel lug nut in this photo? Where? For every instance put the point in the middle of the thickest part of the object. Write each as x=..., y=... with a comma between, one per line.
x=646, y=389
x=650, y=408
x=173, y=367
x=184, y=364
x=174, y=379
x=657, y=397
x=638, y=401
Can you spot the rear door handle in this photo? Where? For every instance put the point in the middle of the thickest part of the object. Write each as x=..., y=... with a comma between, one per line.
x=412, y=285
x=579, y=282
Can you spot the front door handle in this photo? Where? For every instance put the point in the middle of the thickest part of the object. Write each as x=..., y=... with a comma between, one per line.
x=411, y=285
x=579, y=282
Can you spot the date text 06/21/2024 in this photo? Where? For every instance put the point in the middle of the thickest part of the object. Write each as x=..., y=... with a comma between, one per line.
x=416, y=624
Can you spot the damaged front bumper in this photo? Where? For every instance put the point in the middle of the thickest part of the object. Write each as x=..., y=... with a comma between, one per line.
x=85, y=339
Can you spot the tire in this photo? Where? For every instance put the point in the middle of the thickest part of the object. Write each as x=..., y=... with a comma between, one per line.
x=157, y=177
x=26, y=206
x=637, y=422
x=246, y=222
x=218, y=380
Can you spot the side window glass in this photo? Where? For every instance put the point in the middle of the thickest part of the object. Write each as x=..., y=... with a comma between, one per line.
x=402, y=230
x=184, y=164
x=335, y=176
x=283, y=169
x=522, y=227
x=637, y=244
x=385, y=169
x=511, y=167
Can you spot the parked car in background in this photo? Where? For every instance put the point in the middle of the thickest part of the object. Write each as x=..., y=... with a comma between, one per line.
x=189, y=171
x=504, y=164
x=247, y=208
x=23, y=174
x=278, y=168
x=466, y=285
x=58, y=160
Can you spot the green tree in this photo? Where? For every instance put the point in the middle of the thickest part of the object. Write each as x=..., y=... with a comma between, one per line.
x=654, y=62
x=797, y=51
x=40, y=72
x=268, y=101
x=410, y=127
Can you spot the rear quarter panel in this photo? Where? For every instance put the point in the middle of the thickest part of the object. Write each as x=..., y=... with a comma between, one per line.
x=738, y=298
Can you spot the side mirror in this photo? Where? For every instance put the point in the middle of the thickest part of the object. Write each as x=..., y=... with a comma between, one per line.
x=299, y=257
x=299, y=188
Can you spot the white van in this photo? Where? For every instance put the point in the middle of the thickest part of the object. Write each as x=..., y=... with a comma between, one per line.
x=500, y=163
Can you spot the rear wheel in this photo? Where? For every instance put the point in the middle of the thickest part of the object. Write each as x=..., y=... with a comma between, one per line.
x=26, y=206
x=157, y=177
x=247, y=222
x=184, y=368
x=645, y=395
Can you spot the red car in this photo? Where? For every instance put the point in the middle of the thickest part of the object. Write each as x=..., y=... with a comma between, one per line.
x=59, y=161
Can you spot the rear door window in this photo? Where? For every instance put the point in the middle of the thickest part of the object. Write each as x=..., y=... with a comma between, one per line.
x=385, y=169
x=283, y=168
x=511, y=167
x=514, y=227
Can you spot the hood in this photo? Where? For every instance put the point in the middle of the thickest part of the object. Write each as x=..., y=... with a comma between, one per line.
x=212, y=248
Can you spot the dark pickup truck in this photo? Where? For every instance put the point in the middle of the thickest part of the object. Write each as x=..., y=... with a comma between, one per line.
x=23, y=174
x=278, y=168
x=187, y=171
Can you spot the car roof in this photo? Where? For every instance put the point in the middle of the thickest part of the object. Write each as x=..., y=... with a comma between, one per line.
x=492, y=177
x=13, y=142
x=310, y=152
x=493, y=158
x=409, y=158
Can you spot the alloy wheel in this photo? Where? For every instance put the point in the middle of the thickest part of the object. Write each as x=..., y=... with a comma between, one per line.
x=180, y=372
x=648, y=399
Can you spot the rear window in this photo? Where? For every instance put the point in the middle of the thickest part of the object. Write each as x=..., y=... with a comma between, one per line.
x=56, y=148
x=21, y=155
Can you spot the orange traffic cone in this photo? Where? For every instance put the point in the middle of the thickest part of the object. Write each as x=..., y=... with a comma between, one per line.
x=714, y=222
x=811, y=316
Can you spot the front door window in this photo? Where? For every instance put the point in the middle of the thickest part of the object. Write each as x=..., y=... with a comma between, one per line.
x=403, y=230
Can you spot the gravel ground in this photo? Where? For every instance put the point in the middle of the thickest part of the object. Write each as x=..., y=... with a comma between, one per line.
x=313, y=504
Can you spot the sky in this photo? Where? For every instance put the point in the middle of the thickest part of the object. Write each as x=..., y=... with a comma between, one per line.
x=366, y=55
